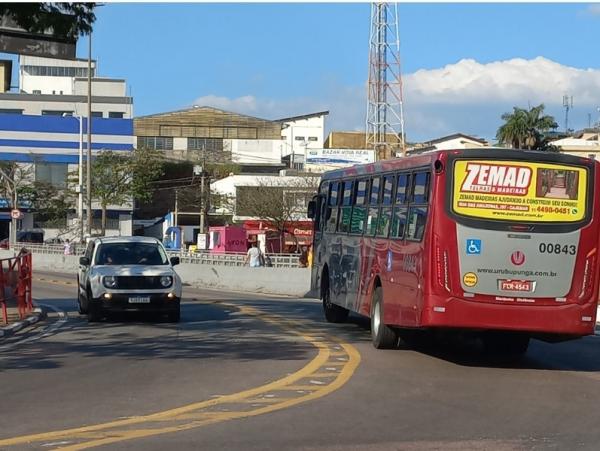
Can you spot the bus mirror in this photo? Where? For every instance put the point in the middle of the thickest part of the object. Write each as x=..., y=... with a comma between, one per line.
x=312, y=209
x=438, y=166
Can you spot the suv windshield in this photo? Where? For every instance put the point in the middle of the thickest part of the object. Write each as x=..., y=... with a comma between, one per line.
x=131, y=254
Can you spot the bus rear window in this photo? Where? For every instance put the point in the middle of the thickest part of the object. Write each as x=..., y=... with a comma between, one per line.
x=519, y=191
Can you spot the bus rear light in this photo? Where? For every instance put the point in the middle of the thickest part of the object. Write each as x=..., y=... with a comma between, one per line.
x=441, y=258
x=588, y=280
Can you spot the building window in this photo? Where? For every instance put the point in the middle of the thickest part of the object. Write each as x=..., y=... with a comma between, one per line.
x=56, y=113
x=298, y=138
x=155, y=142
x=52, y=173
x=96, y=113
x=208, y=144
x=37, y=91
x=313, y=138
x=115, y=115
x=53, y=71
x=10, y=111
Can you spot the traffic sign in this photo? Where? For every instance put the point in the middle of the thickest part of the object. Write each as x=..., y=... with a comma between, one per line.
x=16, y=214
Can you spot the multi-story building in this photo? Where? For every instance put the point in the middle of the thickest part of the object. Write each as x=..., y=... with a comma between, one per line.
x=44, y=125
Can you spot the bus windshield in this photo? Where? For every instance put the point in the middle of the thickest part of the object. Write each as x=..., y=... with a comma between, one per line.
x=504, y=190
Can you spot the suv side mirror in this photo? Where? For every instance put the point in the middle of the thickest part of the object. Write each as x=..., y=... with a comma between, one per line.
x=84, y=261
x=174, y=260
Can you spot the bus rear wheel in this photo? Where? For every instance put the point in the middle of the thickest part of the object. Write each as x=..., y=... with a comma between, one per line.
x=333, y=313
x=382, y=336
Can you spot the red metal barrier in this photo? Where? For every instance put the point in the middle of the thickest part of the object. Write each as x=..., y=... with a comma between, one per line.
x=15, y=284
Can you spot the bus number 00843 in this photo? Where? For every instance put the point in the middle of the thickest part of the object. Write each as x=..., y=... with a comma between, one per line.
x=556, y=248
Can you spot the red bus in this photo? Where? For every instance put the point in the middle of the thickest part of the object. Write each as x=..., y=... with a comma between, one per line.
x=500, y=242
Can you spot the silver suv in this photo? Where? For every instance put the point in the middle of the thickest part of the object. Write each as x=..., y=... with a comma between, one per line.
x=128, y=274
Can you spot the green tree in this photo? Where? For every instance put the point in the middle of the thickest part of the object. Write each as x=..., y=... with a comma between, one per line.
x=522, y=129
x=50, y=202
x=67, y=20
x=119, y=178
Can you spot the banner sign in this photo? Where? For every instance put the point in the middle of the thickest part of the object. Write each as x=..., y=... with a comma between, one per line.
x=519, y=191
x=342, y=157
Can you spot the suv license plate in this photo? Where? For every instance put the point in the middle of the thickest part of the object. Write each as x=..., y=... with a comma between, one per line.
x=139, y=300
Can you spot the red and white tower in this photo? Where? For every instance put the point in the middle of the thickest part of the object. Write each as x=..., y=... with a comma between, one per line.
x=385, y=116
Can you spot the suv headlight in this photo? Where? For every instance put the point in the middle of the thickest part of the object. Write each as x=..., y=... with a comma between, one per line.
x=109, y=281
x=166, y=281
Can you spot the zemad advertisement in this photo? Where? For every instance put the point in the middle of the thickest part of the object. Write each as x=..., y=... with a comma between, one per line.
x=519, y=191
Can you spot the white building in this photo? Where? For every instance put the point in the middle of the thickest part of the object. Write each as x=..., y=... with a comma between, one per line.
x=54, y=87
x=455, y=141
x=584, y=144
x=297, y=190
x=300, y=134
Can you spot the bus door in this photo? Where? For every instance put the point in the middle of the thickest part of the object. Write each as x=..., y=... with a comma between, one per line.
x=319, y=215
x=345, y=254
x=357, y=231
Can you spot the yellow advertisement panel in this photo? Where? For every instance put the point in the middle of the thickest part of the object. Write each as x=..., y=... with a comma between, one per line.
x=519, y=191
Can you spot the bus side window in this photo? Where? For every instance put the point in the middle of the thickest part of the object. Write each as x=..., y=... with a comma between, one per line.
x=359, y=212
x=385, y=214
x=373, y=216
x=332, y=206
x=417, y=215
x=346, y=210
x=400, y=207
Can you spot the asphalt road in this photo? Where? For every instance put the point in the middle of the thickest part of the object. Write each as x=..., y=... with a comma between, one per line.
x=245, y=372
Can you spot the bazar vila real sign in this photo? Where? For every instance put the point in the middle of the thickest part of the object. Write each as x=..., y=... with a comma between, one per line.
x=339, y=156
x=519, y=191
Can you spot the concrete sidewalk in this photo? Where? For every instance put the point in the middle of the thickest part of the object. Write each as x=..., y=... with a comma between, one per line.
x=15, y=323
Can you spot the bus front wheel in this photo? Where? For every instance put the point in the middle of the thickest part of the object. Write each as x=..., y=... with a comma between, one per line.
x=383, y=337
x=333, y=313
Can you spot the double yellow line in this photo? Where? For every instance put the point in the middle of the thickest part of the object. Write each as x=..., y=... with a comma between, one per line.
x=329, y=370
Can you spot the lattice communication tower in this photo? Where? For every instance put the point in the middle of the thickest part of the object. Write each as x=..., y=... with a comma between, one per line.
x=385, y=116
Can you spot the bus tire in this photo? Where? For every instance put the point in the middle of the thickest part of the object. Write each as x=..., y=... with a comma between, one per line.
x=333, y=313
x=505, y=344
x=382, y=336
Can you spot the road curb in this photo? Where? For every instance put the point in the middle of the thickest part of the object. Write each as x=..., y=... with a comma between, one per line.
x=35, y=316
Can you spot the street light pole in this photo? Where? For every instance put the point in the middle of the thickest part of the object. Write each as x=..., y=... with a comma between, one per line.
x=80, y=180
x=88, y=168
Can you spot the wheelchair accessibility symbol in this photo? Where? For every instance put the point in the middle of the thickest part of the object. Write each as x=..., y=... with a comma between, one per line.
x=473, y=247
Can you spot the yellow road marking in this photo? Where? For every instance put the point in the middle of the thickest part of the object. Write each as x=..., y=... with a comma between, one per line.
x=53, y=281
x=196, y=415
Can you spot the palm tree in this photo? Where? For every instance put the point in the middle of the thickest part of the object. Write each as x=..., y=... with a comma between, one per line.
x=522, y=129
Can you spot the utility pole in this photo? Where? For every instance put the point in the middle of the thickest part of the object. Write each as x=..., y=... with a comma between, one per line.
x=175, y=215
x=89, y=139
x=567, y=104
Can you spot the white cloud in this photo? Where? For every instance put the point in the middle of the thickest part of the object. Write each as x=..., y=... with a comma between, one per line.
x=516, y=80
x=467, y=97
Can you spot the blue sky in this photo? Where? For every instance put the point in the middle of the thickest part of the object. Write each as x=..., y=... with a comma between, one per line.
x=463, y=64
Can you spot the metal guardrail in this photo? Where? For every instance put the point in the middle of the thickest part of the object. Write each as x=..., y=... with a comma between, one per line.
x=235, y=259
x=199, y=257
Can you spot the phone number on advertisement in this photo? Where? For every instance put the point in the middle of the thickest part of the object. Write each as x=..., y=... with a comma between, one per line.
x=544, y=209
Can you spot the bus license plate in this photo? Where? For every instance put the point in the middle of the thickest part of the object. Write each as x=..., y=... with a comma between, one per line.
x=139, y=300
x=516, y=285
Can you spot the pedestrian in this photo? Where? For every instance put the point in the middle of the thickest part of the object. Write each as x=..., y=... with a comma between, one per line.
x=67, y=245
x=303, y=260
x=253, y=256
